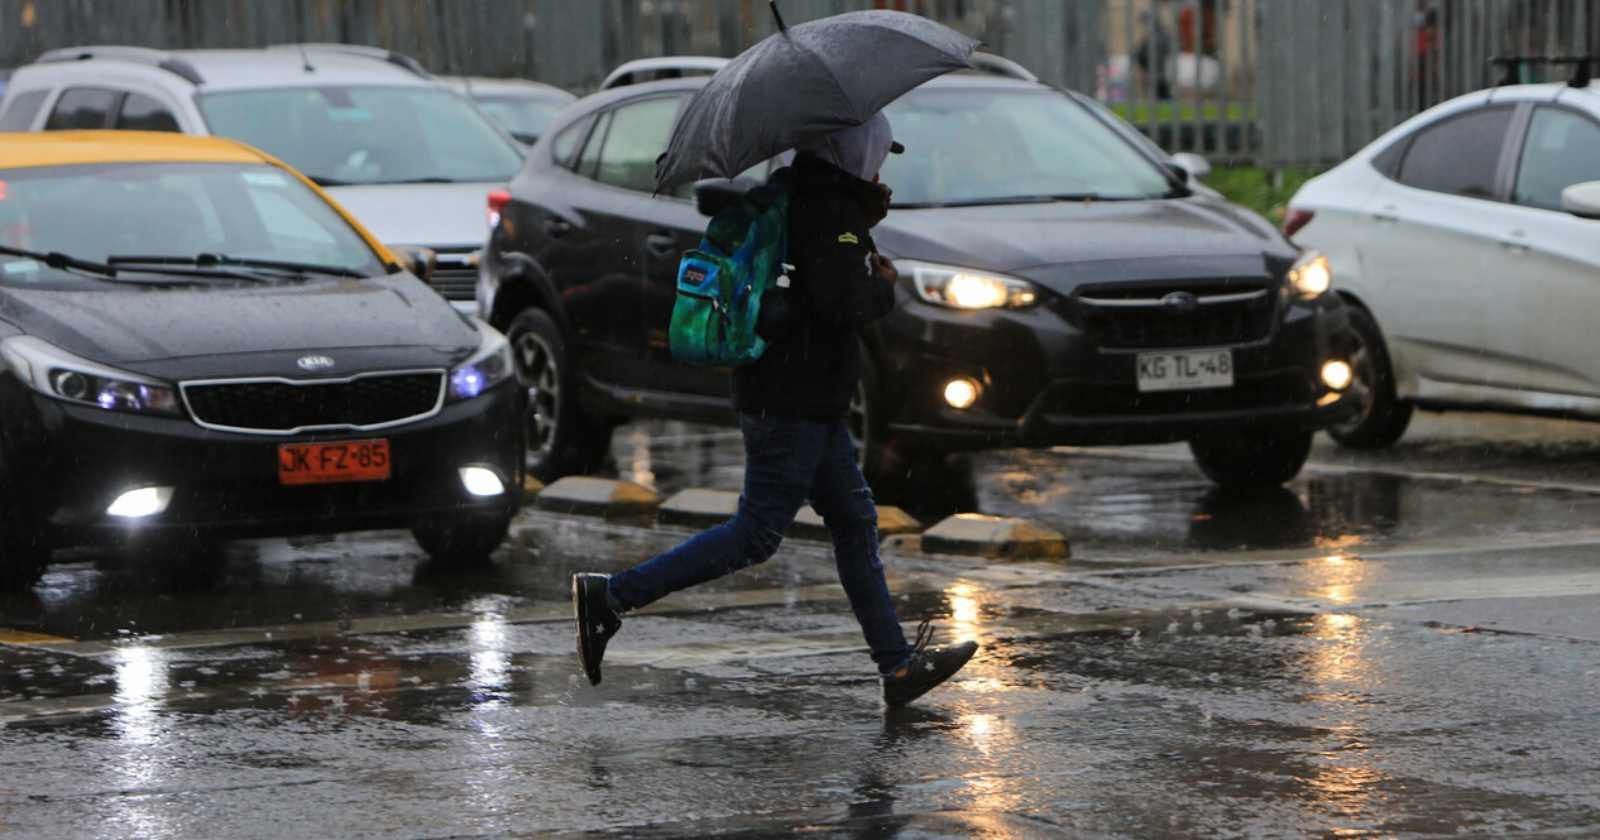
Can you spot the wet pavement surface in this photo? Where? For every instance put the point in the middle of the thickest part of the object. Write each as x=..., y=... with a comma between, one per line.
x=1396, y=644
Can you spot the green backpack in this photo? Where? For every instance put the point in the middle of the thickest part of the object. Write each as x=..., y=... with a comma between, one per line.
x=721, y=284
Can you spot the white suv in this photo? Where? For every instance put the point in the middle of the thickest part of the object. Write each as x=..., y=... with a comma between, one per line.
x=412, y=159
x=1469, y=240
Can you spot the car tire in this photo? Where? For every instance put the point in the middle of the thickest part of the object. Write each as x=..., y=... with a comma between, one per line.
x=559, y=439
x=24, y=551
x=464, y=541
x=1246, y=460
x=886, y=462
x=1381, y=419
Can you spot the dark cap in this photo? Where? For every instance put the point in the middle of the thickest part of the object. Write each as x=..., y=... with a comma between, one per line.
x=896, y=148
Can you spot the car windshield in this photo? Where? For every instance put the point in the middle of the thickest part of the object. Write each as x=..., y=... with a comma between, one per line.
x=521, y=115
x=96, y=213
x=366, y=135
x=984, y=146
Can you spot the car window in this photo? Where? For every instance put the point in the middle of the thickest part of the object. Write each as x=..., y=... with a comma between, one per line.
x=1562, y=149
x=82, y=108
x=565, y=147
x=95, y=212
x=142, y=113
x=521, y=115
x=590, y=161
x=639, y=134
x=1460, y=155
x=20, y=113
x=367, y=135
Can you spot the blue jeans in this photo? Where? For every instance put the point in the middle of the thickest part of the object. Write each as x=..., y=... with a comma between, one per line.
x=787, y=461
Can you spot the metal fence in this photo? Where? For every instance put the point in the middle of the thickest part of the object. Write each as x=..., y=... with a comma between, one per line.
x=1279, y=82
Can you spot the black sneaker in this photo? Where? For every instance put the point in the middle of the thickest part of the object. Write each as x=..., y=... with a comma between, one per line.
x=597, y=622
x=926, y=668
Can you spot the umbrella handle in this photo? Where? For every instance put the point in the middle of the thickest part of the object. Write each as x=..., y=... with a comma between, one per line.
x=773, y=5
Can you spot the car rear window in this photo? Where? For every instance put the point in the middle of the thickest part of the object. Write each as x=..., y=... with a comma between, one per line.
x=24, y=107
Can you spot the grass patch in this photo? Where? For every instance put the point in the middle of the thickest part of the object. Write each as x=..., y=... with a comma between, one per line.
x=1252, y=186
x=1140, y=113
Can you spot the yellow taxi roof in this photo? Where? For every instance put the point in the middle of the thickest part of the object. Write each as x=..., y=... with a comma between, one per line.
x=68, y=148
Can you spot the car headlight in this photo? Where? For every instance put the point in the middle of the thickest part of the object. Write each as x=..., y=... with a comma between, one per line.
x=56, y=373
x=1311, y=275
x=965, y=288
x=487, y=367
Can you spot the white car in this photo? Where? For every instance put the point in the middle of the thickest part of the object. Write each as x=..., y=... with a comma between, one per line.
x=1468, y=240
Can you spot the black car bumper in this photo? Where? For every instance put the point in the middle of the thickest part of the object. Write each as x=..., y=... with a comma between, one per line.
x=70, y=462
x=1045, y=382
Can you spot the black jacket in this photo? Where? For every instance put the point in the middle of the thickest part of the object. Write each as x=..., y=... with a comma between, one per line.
x=813, y=359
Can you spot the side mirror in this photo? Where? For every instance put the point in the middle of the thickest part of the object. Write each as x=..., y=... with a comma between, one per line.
x=1582, y=200
x=1194, y=166
x=416, y=259
x=713, y=195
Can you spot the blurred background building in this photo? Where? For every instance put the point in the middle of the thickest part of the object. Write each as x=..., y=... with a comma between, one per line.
x=1276, y=82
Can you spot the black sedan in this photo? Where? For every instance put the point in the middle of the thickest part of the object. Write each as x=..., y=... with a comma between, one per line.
x=197, y=344
x=1061, y=285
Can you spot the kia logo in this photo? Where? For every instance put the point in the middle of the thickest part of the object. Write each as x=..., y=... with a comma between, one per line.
x=1180, y=303
x=315, y=362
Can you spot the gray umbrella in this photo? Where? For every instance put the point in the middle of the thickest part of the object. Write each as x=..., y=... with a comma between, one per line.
x=805, y=80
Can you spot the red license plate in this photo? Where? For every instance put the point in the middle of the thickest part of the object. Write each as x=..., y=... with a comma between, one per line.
x=333, y=463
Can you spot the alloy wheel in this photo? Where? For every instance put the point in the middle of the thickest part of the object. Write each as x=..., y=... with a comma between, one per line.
x=540, y=374
x=1363, y=386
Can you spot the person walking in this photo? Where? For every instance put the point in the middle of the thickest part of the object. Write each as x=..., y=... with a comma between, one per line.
x=791, y=405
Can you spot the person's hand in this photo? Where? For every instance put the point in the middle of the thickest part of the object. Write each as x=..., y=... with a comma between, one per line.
x=877, y=213
x=884, y=269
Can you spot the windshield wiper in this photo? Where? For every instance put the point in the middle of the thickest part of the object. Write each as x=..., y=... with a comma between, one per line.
x=104, y=271
x=329, y=182
x=211, y=260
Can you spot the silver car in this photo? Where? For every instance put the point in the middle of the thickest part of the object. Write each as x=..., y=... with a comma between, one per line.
x=412, y=159
x=521, y=107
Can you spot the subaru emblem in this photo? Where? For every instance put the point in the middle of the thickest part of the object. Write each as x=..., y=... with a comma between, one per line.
x=315, y=362
x=1180, y=303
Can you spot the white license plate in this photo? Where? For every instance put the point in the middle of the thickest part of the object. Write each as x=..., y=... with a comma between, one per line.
x=1183, y=370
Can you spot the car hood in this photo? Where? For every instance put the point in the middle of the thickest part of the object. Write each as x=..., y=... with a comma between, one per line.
x=144, y=329
x=1017, y=238
x=439, y=216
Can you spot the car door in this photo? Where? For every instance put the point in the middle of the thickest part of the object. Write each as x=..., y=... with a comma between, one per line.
x=652, y=236
x=1433, y=247
x=1547, y=320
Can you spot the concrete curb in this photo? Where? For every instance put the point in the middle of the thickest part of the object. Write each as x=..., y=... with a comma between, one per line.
x=997, y=537
x=603, y=497
x=699, y=508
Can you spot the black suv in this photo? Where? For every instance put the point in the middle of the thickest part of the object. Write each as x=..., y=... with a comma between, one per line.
x=1060, y=285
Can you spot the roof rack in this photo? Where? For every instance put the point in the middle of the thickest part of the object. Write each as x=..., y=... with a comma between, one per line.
x=998, y=66
x=401, y=60
x=159, y=59
x=1582, y=67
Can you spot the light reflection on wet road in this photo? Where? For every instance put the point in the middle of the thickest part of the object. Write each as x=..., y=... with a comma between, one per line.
x=1401, y=652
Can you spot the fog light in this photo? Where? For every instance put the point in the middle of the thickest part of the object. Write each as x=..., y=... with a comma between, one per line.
x=1337, y=375
x=961, y=393
x=482, y=481
x=140, y=503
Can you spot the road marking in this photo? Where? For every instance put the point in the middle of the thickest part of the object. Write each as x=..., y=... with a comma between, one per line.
x=1346, y=469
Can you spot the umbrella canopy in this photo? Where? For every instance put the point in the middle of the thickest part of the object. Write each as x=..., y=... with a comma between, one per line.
x=802, y=82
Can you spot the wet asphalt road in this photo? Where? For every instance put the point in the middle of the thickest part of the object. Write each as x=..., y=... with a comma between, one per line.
x=1405, y=644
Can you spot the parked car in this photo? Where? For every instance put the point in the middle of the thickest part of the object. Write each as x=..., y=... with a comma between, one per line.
x=521, y=107
x=196, y=344
x=1060, y=286
x=1466, y=243
x=412, y=159
x=665, y=67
